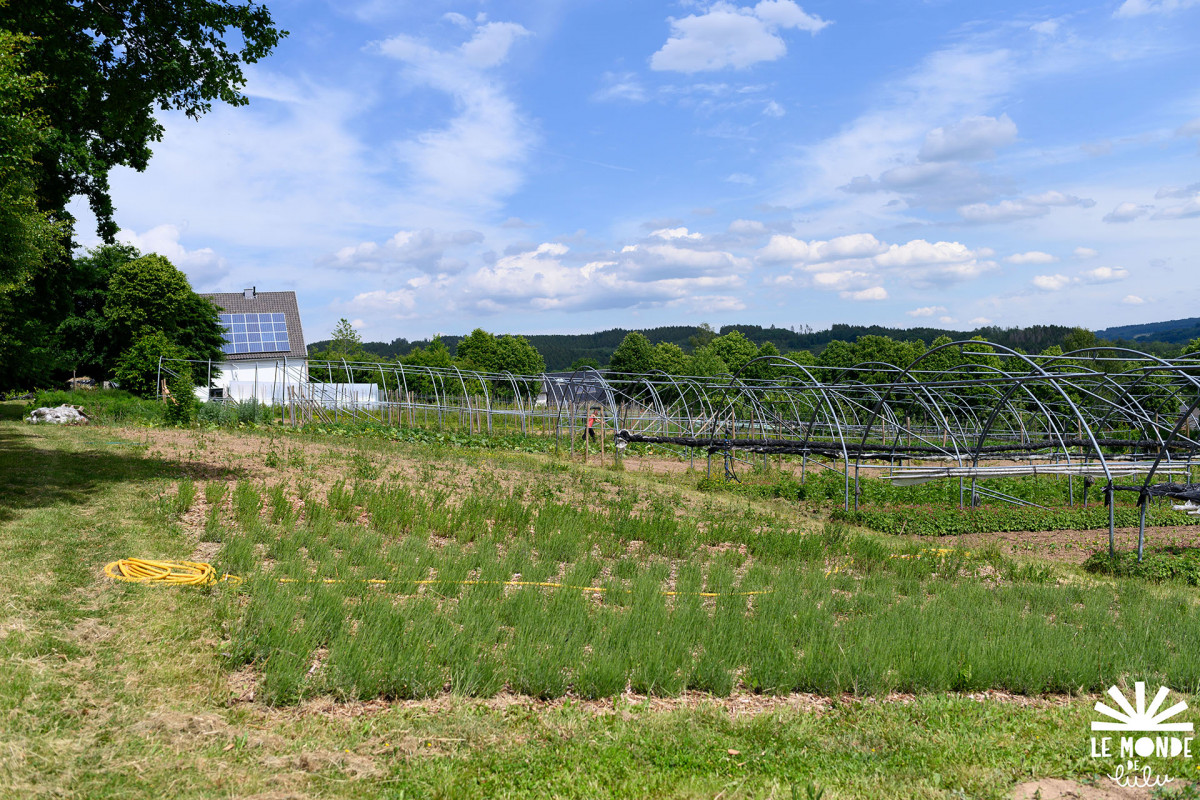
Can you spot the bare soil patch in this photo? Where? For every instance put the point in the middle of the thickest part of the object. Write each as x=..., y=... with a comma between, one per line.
x=1058, y=789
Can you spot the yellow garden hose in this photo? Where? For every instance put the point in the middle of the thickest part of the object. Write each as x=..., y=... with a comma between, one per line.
x=176, y=573
x=198, y=573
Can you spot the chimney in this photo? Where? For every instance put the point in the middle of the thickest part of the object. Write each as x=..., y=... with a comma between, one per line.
x=249, y=293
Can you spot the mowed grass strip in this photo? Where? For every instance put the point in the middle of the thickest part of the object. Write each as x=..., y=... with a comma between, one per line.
x=114, y=690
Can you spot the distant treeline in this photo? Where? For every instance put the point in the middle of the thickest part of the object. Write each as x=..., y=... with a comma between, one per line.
x=562, y=350
x=1174, y=331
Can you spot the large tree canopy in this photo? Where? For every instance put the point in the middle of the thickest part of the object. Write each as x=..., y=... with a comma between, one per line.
x=108, y=66
x=28, y=234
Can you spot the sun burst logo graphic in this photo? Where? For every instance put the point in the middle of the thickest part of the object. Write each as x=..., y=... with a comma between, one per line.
x=1140, y=718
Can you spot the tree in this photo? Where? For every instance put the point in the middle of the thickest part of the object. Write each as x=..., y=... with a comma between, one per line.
x=583, y=363
x=84, y=338
x=670, y=358
x=346, y=343
x=29, y=236
x=137, y=369
x=703, y=335
x=477, y=351
x=734, y=349
x=149, y=294
x=634, y=354
x=110, y=65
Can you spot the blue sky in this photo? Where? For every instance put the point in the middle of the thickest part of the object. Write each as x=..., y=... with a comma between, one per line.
x=542, y=166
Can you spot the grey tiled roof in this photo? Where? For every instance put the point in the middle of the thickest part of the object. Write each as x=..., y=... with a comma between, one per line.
x=265, y=303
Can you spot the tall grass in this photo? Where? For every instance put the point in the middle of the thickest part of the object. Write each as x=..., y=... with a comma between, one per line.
x=828, y=611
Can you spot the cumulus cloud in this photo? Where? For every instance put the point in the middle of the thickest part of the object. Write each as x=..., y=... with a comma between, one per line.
x=1051, y=283
x=424, y=250
x=1037, y=205
x=973, y=138
x=668, y=234
x=926, y=311
x=747, y=227
x=873, y=293
x=980, y=321
x=203, y=267
x=741, y=178
x=1132, y=300
x=1126, y=212
x=1031, y=257
x=1104, y=275
x=1085, y=252
x=727, y=35
x=1177, y=192
x=1138, y=8
x=1183, y=211
x=783, y=248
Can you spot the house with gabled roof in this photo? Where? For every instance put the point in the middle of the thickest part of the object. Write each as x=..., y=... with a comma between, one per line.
x=264, y=351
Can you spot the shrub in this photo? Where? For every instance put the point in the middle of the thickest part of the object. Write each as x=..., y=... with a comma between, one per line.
x=137, y=368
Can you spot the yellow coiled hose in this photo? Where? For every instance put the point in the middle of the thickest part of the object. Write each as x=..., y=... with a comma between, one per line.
x=175, y=573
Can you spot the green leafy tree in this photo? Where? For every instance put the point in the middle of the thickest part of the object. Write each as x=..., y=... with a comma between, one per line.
x=634, y=354
x=670, y=358
x=85, y=337
x=149, y=294
x=705, y=363
x=110, y=66
x=583, y=363
x=734, y=349
x=137, y=369
x=29, y=235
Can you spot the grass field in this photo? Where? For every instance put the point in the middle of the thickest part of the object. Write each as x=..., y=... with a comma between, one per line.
x=388, y=637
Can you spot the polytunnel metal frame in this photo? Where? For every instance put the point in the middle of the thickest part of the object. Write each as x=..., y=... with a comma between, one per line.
x=966, y=409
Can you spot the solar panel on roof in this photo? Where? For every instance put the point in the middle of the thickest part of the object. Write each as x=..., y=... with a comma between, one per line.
x=254, y=333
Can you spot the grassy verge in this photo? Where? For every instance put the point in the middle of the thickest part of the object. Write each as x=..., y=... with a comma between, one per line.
x=112, y=690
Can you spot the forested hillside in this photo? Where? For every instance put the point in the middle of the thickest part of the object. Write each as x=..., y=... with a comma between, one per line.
x=563, y=350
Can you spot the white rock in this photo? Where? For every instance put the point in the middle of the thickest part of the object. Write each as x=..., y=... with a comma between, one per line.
x=63, y=415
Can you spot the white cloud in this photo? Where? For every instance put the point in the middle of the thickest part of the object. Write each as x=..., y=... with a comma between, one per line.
x=971, y=139
x=1047, y=27
x=1137, y=8
x=926, y=311
x=1189, y=128
x=1051, y=283
x=1104, y=275
x=1031, y=257
x=727, y=35
x=203, y=267
x=1126, y=212
x=921, y=252
x=1085, y=252
x=980, y=322
x=782, y=248
x=1132, y=300
x=621, y=86
x=773, y=109
x=747, y=226
x=668, y=234
x=1183, y=211
x=1030, y=207
x=476, y=158
x=1178, y=192
x=873, y=293
x=424, y=250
